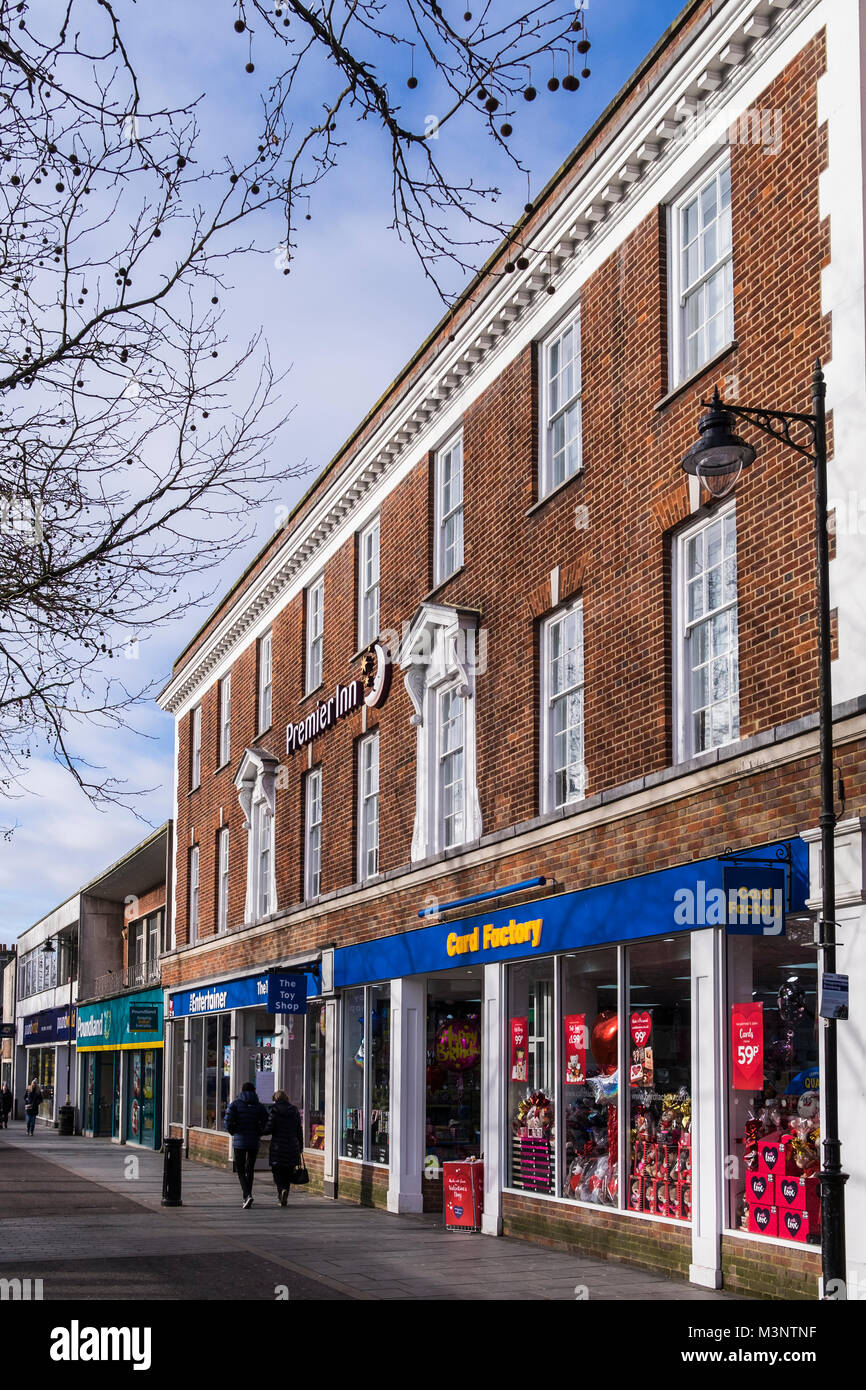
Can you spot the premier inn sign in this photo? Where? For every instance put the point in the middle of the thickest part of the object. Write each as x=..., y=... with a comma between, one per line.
x=370, y=689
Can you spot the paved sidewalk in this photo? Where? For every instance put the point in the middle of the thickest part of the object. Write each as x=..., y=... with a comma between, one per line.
x=84, y=1215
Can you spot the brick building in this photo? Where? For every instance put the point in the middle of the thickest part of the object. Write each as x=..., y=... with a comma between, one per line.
x=502, y=876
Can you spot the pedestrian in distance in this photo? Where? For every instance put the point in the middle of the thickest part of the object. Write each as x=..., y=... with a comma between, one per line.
x=245, y=1121
x=287, y=1143
x=32, y=1102
x=5, y=1105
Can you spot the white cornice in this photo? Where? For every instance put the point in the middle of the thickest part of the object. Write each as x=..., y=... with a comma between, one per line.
x=725, y=55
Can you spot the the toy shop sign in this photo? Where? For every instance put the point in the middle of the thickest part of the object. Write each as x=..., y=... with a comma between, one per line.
x=370, y=689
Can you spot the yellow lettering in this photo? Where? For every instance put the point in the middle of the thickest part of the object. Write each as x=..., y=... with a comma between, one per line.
x=536, y=930
x=452, y=945
x=473, y=939
x=505, y=934
x=488, y=933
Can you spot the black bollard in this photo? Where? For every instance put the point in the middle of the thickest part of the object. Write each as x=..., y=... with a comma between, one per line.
x=171, y=1174
x=66, y=1120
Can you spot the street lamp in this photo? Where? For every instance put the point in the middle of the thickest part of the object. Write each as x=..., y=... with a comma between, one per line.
x=717, y=460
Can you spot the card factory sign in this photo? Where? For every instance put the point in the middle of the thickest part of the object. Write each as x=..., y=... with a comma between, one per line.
x=371, y=689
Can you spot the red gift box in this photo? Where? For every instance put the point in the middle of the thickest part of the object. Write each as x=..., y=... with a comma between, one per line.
x=651, y=1159
x=639, y=1152
x=635, y=1194
x=685, y=1196
x=649, y=1194
x=796, y=1225
x=761, y=1187
x=660, y=1197
x=798, y=1194
x=685, y=1156
x=763, y=1219
x=775, y=1156
x=674, y=1200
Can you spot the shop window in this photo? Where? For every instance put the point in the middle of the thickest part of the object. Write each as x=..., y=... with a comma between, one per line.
x=195, y=1047
x=773, y=1154
x=702, y=272
x=707, y=683
x=292, y=1039
x=531, y=1076
x=589, y=1071
x=659, y=1077
x=366, y=1073
x=561, y=406
x=314, y=1113
x=453, y=1068
x=439, y=657
x=209, y=1070
x=176, y=1080
x=368, y=584
x=352, y=1075
x=563, y=772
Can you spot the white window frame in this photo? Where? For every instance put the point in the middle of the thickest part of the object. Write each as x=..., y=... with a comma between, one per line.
x=444, y=513
x=679, y=370
x=368, y=802
x=255, y=781
x=193, y=894
x=225, y=719
x=548, y=769
x=195, y=749
x=448, y=693
x=368, y=584
x=264, y=847
x=313, y=833
x=266, y=681
x=441, y=653
x=548, y=418
x=315, y=654
x=222, y=879
x=682, y=687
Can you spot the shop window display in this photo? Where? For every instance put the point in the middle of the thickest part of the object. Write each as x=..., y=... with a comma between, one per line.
x=453, y=1069
x=659, y=1077
x=590, y=1077
x=380, y=1072
x=774, y=1095
x=176, y=1085
x=314, y=1115
x=352, y=1130
x=532, y=1047
x=366, y=1073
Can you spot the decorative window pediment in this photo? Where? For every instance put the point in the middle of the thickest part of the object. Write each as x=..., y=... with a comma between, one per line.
x=255, y=781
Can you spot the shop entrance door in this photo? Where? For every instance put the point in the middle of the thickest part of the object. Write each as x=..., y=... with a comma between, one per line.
x=453, y=1079
x=105, y=1093
x=141, y=1116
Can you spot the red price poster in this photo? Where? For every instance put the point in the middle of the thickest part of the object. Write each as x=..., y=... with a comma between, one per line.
x=519, y=1048
x=575, y=1049
x=747, y=1042
x=641, y=1028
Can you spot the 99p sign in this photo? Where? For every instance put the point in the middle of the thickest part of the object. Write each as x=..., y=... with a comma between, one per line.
x=747, y=1043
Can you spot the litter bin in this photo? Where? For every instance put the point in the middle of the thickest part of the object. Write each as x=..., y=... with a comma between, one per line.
x=171, y=1173
x=66, y=1120
x=464, y=1195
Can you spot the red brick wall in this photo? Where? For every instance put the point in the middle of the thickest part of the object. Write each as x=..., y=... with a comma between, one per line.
x=632, y=488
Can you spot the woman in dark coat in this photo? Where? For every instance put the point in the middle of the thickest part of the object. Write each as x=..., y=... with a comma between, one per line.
x=287, y=1142
x=5, y=1105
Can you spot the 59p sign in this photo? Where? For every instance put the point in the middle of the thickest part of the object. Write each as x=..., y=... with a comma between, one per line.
x=747, y=1042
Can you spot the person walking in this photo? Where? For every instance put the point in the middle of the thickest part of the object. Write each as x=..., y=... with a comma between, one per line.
x=32, y=1102
x=287, y=1142
x=245, y=1120
x=5, y=1105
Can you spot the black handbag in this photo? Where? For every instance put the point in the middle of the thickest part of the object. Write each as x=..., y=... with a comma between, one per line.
x=300, y=1174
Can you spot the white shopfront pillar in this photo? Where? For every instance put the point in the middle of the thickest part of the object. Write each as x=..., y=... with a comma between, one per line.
x=707, y=1107
x=493, y=1097
x=850, y=1032
x=332, y=1094
x=408, y=1093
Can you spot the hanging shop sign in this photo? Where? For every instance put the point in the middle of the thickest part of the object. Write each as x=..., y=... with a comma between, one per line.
x=747, y=1042
x=370, y=688
x=51, y=1025
x=752, y=902
x=575, y=1049
x=685, y=897
x=109, y=1026
x=287, y=994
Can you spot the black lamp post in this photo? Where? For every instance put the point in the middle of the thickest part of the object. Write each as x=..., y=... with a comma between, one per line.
x=717, y=460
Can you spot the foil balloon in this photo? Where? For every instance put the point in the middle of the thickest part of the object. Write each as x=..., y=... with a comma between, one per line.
x=603, y=1040
x=458, y=1045
x=780, y=1053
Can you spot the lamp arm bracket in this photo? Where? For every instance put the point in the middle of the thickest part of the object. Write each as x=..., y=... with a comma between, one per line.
x=777, y=424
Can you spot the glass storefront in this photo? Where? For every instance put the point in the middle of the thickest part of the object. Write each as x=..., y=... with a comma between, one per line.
x=365, y=1074
x=143, y=1096
x=41, y=1065
x=453, y=1067
x=531, y=1104
x=589, y=1072
x=774, y=1085
x=314, y=1112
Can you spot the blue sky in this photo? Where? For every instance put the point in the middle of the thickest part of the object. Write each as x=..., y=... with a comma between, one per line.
x=354, y=309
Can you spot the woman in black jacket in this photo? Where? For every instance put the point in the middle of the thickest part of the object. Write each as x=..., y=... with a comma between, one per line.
x=287, y=1142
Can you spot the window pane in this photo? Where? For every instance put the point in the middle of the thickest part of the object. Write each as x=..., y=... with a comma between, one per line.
x=589, y=1075
x=659, y=1091
x=352, y=1128
x=531, y=1073
x=380, y=1072
x=453, y=1090
x=315, y=1099
x=196, y=1070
